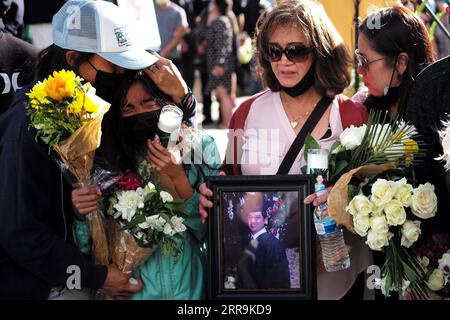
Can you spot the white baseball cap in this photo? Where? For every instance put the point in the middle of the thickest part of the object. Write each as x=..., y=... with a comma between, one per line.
x=100, y=27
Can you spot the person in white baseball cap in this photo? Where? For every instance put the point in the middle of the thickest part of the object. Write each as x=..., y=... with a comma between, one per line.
x=100, y=43
x=100, y=27
x=96, y=42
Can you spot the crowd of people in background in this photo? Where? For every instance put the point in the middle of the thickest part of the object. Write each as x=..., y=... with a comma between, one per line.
x=283, y=53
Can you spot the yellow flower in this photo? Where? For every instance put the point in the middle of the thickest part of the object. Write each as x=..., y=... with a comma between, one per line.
x=77, y=104
x=89, y=105
x=411, y=146
x=61, y=85
x=82, y=104
x=37, y=95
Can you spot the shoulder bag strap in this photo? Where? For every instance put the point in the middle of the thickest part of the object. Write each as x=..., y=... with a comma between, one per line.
x=299, y=141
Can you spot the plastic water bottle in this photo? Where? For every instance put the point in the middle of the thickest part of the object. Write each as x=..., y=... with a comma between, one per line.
x=334, y=251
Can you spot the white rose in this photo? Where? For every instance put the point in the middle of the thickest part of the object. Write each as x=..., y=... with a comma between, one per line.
x=378, y=224
x=352, y=137
x=424, y=201
x=361, y=224
x=360, y=205
x=376, y=241
x=395, y=213
x=444, y=261
x=382, y=192
x=165, y=196
x=436, y=281
x=404, y=193
x=410, y=232
x=424, y=261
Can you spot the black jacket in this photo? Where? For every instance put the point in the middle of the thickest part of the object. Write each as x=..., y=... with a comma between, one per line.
x=428, y=106
x=267, y=267
x=35, y=216
x=17, y=60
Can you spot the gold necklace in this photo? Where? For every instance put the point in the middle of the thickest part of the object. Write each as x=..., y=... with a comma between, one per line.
x=294, y=122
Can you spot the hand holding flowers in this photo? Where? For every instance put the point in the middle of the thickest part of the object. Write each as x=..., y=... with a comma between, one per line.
x=144, y=217
x=67, y=115
x=370, y=167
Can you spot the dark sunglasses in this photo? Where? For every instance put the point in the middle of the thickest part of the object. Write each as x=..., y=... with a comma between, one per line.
x=294, y=52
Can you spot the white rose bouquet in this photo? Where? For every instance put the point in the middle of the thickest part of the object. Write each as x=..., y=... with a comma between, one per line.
x=387, y=212
x=143, y=218
x=374, y=195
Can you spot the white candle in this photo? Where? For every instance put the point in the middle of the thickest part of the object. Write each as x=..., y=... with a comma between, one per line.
x=170, y=119
x=317, y=159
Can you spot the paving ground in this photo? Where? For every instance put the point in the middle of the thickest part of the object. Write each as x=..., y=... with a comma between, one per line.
x=219, y=135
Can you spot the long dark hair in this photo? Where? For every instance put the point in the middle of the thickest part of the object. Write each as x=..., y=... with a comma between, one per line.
x=114, y=151
x=53, y=58
x=391, y=31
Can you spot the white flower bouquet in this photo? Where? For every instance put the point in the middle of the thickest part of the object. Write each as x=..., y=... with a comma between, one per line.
x=386, y=212
x=143, y=218
x=370, y=167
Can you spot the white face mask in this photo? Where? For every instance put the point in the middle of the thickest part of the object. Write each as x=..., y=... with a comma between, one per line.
x=162, y=2
x=211, y=6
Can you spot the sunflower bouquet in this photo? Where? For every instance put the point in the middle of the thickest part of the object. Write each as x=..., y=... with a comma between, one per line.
x=67, y=116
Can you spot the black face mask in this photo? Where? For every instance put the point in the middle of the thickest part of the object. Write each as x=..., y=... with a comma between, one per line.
x=106, y=83
x=137, y=129
x=304, y=84
x=384, y=102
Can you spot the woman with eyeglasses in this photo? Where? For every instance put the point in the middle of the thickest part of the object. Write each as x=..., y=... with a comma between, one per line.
x=393, y=47
x=304, y=63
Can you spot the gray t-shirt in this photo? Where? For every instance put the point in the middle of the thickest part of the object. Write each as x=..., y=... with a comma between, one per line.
x=169, y=19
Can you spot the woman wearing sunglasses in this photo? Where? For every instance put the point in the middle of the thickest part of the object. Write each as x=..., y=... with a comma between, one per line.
x=304, y=63
x=393, y=47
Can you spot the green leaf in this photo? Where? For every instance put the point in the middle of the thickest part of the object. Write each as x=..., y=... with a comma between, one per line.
x=310, y=143
x=137, y=219
x=335, y=146
x=340, y=166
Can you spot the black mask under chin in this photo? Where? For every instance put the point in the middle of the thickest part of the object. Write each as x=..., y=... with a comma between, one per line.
x=384, y=102
x=137, y=129
x=304, y=84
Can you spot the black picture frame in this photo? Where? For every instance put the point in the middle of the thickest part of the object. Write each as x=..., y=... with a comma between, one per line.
x=232, y=257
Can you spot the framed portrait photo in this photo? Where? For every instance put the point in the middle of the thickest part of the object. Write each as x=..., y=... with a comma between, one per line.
x=261, y=239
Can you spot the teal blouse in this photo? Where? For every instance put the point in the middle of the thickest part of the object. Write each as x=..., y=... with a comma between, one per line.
x=162, y=277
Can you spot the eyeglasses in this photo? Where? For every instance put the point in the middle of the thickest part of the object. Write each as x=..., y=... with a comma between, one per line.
x=294, y=52
x=363, y=62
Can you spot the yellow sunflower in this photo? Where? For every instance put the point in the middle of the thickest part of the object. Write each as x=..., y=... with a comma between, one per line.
x=61, y=85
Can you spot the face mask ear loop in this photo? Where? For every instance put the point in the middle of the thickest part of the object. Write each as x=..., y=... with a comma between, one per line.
x=89, y=61
x=386, y=89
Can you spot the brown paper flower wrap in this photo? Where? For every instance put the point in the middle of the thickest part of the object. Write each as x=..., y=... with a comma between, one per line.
x=338, y=198
x=67, y=115
x=142, y=217
x=78, y=153
x=126, y=254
